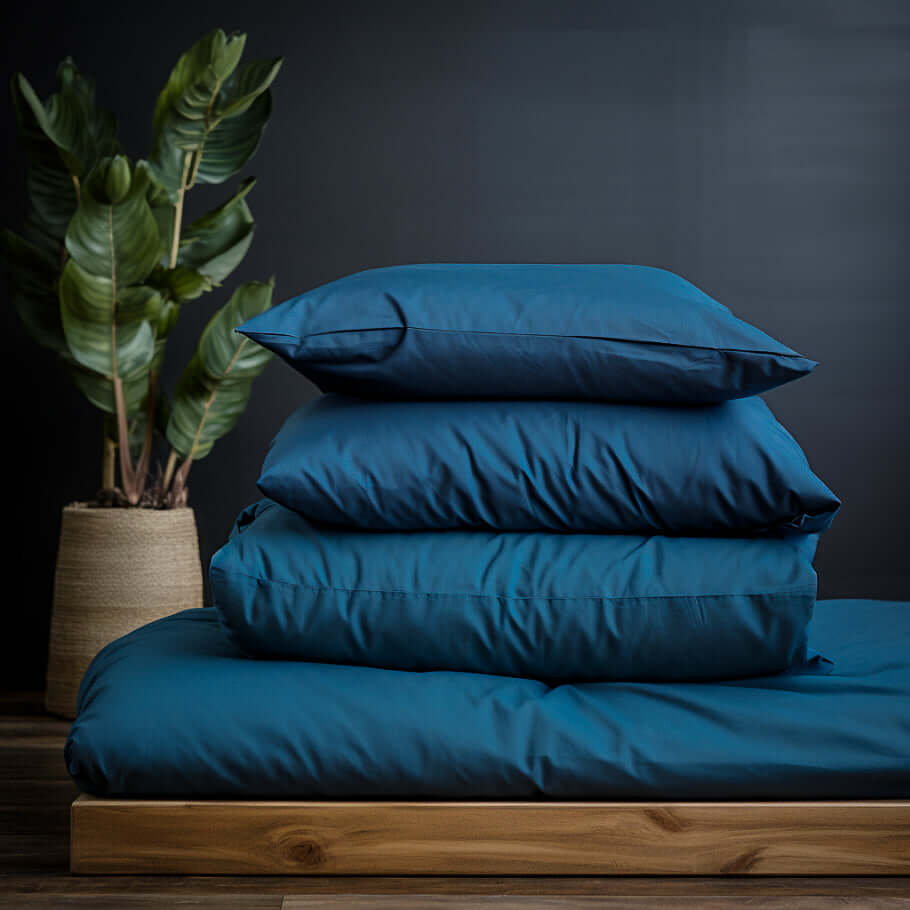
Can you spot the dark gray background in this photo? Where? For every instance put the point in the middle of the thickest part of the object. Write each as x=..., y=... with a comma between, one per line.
x=759, y=148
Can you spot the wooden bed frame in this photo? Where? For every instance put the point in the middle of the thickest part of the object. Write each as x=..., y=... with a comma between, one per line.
x=489, y=838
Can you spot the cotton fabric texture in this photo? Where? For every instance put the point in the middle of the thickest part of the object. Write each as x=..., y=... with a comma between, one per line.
x=176, y=710
x=578, y=332
x=542, y=605
x=546, y=465
x=570, y=468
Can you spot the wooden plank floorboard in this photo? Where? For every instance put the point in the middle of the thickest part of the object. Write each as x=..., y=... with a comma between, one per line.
x=34, y=862
x=147, y=901
x=61, y=883
x=449, y=902
x=139, y=902
x=432, y=902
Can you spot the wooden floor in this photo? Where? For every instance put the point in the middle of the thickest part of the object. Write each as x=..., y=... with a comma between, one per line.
x=35, y=794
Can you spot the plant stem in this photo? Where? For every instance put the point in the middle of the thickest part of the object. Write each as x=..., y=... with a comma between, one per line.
x=169, y=470
x=107, y=464
x=153, y=377
x=178, y=211
x=179, y=492
x=151, y=400
x=127, y=475
x=197, y=158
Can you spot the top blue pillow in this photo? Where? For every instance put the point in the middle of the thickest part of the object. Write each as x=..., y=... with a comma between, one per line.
x=578, y=332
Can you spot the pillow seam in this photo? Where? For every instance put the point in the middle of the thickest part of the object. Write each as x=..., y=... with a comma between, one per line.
x=805, y=589
x=416, y=328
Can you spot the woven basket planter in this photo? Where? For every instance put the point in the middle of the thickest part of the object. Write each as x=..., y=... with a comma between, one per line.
x=117, y=569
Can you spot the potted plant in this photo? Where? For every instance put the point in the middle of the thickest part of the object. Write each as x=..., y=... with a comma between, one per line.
x=99, y=274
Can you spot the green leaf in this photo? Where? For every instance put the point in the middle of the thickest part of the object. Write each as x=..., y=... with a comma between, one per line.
x=197, y=77
x=99, y=390
x=117, y=239
x=109, y=314
x=52, y=193
x=64, y=137
x=211, y=110
x=33, y=289
x=180, y=285
x=210, y=248
x=215, y=244
x=167, y=319
x=95, y=311
x=215, y=386
x=162, y=207
x=117, y=180
x=69, y=119
x=234, y=137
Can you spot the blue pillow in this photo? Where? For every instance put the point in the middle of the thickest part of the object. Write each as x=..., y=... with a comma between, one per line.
x=548, y=606
x=577, y=332
x=553, y=465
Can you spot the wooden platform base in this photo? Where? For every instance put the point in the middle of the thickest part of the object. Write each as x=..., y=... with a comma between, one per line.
x=486, y=838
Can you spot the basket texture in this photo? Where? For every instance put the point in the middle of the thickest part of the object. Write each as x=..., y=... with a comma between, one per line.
x=117, y=569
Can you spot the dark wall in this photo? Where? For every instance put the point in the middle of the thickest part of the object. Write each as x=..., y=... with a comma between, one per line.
x=760, y=149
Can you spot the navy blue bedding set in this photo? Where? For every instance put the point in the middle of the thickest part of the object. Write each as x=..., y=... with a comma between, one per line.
x=592, y=580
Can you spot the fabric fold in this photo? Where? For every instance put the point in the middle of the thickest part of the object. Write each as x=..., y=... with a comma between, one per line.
x=536, y=604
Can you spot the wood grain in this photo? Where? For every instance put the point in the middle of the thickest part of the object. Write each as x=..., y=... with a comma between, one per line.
x=139, y=902
x=57, y=882
x=431, y=902
x=445, y=838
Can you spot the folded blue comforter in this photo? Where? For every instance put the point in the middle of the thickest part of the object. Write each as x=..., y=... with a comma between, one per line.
x=174, y=709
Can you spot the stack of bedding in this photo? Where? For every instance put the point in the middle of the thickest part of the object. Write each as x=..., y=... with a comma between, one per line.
x=539, y=538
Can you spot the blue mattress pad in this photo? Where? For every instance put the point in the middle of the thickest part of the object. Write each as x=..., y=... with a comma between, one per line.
x=174, y=710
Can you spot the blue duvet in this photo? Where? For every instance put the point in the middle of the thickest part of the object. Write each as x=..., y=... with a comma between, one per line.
x=173, y=709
